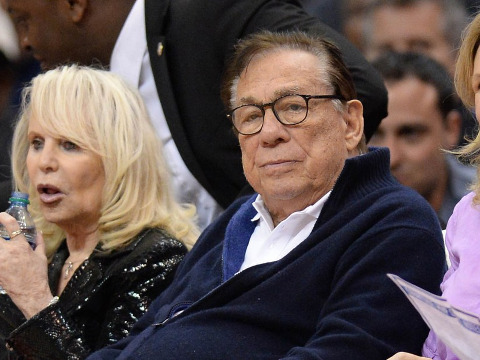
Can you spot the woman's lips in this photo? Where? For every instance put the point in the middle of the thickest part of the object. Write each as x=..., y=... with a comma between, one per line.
x=50, y=198
x=49, y=194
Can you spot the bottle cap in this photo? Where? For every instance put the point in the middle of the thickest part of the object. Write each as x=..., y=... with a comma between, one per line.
x=18, y=196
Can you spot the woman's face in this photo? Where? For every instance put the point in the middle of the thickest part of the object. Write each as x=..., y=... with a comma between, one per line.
x=69, y=180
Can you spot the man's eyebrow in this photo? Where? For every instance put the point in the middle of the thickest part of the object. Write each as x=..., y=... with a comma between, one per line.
x=287, y=91
x=247, y=100
x=277, y=94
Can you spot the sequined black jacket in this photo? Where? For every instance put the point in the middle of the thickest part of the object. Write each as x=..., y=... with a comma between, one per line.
x=99, y=305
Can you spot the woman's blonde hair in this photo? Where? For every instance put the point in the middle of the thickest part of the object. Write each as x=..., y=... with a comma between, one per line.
x=99, y=112
x=463, y=84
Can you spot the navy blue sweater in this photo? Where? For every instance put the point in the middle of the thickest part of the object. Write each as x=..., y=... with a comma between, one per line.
x=329, y=298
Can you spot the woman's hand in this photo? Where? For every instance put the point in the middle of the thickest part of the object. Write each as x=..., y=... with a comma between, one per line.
x=407, y=356
x=23, y=271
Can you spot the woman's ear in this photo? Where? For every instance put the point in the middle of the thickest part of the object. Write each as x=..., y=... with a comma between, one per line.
x=354, y=120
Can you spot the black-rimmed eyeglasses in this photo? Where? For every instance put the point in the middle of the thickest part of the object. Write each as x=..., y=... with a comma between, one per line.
x=288, y=109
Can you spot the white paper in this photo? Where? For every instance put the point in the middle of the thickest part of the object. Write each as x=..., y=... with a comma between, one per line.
x=458, y=329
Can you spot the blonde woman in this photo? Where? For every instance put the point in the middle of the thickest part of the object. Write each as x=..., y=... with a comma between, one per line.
x=86, y=153
x=461, y=284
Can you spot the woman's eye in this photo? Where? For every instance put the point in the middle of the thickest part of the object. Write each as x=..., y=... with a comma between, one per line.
x=36, y=143
x=68, y=145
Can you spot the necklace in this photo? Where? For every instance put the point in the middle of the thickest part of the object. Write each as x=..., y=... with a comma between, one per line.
x=69, y=268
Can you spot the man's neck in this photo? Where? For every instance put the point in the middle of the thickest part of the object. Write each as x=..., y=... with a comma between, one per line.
x=108, y=26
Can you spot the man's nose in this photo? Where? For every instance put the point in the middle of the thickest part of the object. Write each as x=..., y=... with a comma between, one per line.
x=24, y=41
x=273, y=131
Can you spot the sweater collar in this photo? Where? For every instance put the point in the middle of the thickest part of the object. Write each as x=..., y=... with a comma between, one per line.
x=237, y=235
x=358, y=177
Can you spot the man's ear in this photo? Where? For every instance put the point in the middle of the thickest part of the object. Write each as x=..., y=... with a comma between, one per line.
x=354, y=121
x=453, y=127
x=76, y=9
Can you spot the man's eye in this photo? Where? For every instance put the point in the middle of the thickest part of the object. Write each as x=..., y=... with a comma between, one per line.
x=295, y=107
x=411, y=134
x=252, y=117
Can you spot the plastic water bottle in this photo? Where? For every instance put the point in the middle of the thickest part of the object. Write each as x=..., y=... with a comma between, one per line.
x=18, y=209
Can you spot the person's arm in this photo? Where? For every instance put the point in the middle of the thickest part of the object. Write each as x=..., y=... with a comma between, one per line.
x=366, y=315
x=54, y=333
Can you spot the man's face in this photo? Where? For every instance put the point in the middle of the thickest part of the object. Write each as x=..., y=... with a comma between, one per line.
x=45, y=29
x=291, y=166
x=414, y=131
x=417, y=27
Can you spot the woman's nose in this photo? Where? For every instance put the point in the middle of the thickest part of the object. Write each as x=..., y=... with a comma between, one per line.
x=48, y=159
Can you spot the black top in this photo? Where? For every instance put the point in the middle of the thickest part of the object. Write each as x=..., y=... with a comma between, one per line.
x=104, y=298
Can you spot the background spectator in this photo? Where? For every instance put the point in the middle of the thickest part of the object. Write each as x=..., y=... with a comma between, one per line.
x=423, y=119
x=431, y=27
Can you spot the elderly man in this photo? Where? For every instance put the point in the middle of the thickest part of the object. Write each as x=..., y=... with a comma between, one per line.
x=298, y=270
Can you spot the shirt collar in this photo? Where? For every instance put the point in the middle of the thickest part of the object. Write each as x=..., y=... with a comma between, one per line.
x=311, y=210
x=131, y=46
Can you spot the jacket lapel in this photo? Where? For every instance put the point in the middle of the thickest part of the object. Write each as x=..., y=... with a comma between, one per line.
x=155, y=24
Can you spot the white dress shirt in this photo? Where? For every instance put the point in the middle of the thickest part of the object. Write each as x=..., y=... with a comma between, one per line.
x=130, y=59
x=269, y=243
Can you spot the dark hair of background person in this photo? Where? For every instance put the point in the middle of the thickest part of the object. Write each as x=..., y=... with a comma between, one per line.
x=394, y=66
